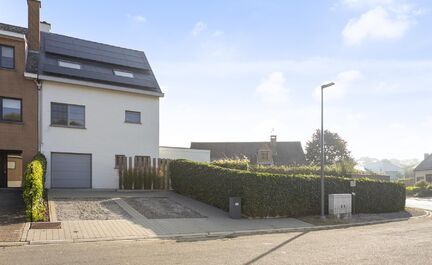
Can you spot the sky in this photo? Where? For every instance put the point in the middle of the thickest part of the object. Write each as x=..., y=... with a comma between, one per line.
x=234, y=70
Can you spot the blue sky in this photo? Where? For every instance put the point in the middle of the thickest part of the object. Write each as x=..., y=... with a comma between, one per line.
x=234, y=70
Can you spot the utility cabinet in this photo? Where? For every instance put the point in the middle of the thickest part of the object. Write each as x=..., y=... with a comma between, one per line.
x=340, y=204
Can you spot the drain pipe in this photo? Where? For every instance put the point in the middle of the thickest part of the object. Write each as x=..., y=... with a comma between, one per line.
x=39, y=107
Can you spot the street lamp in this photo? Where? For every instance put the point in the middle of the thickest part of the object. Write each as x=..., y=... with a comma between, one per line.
x=322, y=148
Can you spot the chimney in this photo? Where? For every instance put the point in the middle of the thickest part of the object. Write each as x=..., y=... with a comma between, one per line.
x=45, y=26
x=273, y=139
x=33, y=32
x=426, y=155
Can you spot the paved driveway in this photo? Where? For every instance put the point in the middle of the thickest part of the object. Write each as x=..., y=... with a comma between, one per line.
x=12, y=215
x=422, y=203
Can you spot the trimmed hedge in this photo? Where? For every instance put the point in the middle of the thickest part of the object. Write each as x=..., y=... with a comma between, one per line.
x=242, y=164
x=333, y=170
x=273, y=195
x=33, y=189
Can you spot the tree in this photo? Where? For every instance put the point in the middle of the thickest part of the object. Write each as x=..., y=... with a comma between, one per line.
x=335, y=149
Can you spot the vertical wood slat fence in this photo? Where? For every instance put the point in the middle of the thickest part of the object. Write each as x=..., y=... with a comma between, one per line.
x=144, y=173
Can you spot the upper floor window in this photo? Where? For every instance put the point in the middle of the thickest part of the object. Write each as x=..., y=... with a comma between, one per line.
x=133, y=117
x=7, y=57
x=67, y=115
x=10, y=109
x=71, y=65
x=123, y=74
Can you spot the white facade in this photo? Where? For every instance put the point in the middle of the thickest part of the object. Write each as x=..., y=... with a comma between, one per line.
x=105, y=134
x=421, y=175
x=184, y=153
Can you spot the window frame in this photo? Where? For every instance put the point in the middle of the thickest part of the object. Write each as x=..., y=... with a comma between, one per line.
x=134, y=112
x=13, y=56
x=70, y=63
x=1, y=109
x=67, y=119
x=115, y=71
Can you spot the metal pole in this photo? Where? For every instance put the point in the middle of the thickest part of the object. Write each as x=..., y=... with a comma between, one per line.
x=322, y=154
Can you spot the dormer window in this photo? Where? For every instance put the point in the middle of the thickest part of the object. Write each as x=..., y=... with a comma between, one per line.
x=71, y=65
x=123, y=74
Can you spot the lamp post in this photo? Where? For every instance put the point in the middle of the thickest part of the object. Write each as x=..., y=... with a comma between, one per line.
x=322, y=148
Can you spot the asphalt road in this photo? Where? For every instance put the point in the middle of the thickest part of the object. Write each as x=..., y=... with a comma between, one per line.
x=406, y=242
x=422, y=203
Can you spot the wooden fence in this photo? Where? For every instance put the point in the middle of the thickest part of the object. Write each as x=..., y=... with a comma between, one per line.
x=144, y=173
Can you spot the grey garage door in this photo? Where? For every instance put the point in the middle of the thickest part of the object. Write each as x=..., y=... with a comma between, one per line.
x=70, y=170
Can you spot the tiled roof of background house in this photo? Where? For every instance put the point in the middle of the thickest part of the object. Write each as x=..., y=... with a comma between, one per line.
x=288, y=153
x=13, y=28
x=425, y=164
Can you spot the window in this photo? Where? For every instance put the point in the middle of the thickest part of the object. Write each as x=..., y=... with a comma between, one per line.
x=264, y=155
x=67, y=115
x=123, y=74
x=69, y=65
x=10, y=109
x=133, y=117
x=7, y=55
x=119, y=160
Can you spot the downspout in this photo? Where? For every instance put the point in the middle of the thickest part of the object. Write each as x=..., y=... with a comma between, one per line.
x=39, y=107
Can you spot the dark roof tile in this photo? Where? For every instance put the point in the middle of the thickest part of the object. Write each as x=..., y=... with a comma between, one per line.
x=288, y=153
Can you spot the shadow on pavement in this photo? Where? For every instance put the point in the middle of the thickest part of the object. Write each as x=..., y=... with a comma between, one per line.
x=275, y=248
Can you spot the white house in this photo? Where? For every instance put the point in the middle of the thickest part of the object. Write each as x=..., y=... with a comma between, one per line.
x=197, y=155
x=424, y=170
x=97, y=103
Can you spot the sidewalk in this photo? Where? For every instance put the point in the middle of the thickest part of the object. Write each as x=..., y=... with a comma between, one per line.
x=213, y=221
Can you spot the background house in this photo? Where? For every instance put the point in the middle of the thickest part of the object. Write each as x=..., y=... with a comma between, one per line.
x=261, y=153
x=384, y=167
x=424, y=170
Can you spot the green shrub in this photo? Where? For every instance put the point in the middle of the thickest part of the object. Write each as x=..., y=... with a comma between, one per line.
x=419, y=191
x=33, y=192
x=239, y=163
x=337, y=170
x=42, y=159
x=421, y=184
x=271, y=195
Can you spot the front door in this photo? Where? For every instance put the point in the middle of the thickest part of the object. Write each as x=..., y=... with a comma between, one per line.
x=3, y=169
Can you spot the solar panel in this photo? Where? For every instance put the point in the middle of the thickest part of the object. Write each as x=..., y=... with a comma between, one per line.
x=68, y=46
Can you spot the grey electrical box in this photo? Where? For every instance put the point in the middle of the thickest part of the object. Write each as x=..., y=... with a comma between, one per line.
x=235, y=207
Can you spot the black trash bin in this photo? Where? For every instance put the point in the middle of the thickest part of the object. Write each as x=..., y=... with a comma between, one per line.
x=235, y=207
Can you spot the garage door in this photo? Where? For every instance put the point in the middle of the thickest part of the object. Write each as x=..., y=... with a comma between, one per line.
x=70, y=170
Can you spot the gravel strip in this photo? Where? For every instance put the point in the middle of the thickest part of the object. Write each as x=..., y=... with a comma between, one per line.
x=89, y=209
x=161, y=208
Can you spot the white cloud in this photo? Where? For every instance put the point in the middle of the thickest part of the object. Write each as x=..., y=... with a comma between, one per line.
x=137, y=18
x=198, y=28
x=272, y=88
x=344, y=80
x=358, y=4
x=375, y=24
x=217, y=33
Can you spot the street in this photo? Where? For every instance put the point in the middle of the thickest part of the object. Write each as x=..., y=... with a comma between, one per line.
x=422, y=203
x=406, y=242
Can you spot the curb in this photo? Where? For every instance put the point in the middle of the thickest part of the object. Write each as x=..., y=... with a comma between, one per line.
x=220, y=235
x=12, y=244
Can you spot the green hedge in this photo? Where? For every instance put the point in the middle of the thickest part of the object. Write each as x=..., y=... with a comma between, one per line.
x=242, y=164
x=33, y=189
x=333, y=170
x=271, y=195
